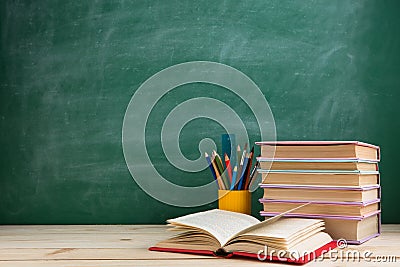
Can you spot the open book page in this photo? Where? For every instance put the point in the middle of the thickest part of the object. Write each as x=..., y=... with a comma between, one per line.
x=285, y=228
x=222, y=224
x=310, y=244
x=282, y=234
x=267, y=221
x=304, y=247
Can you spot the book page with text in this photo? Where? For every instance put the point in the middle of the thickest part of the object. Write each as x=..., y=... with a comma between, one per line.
x=220, y=223
x=285, y=228
x=268, y=221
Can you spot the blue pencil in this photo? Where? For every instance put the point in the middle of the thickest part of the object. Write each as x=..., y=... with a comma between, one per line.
x=234, y=174
x=242, y=175
x=211, y=167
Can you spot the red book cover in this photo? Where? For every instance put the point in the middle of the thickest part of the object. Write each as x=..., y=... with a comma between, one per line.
x=261, y=257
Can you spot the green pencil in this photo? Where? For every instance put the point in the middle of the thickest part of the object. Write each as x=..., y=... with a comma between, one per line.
x=218, y=161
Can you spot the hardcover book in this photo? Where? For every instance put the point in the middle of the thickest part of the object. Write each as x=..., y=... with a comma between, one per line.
x=319, y=149
x=347, y=164
x=320, y=177
x=230, y=234
x=355, y=229
x=321, y=193
x=340, y=208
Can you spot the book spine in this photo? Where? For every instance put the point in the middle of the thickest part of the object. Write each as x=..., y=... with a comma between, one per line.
x=316, y=187
x=349, y=203
x=318, y=216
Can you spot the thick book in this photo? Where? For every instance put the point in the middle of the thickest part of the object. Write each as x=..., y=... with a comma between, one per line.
x=321, y=193
x=339, y=208
x=354, y=229
x=319, y=149
x=348, y=164
x=230, y=234
x=320, y=177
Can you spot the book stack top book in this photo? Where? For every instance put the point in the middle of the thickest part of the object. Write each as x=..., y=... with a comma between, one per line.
x=340, y=180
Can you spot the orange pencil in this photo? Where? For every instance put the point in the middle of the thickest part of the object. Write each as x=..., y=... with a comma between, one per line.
x=220, y=183
x=228, y=167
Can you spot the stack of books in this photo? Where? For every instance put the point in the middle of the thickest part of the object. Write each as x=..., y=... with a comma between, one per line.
x=340, y=180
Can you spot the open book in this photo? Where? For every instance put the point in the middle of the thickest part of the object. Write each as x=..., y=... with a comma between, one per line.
x=225, y=233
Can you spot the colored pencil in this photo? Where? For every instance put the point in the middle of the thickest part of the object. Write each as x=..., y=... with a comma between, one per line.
x=243, y=156
x=247, y=174
x=240, y=169
x=220, y=183
x=246, y=171
x=234, y=178
x=242, y=177
x=218, y=162
x=211, y=167
x=253, y=173
x=238, y=155
x=228, y=167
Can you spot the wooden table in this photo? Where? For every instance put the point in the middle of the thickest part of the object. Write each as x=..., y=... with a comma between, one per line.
x=126, y=245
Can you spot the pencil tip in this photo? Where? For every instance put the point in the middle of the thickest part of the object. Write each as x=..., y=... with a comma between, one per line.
x=205, y=154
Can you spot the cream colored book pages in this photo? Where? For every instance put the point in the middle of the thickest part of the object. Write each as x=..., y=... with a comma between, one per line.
x=310, y=244
x=284, y=228
x=268, y=221
x=223, y=225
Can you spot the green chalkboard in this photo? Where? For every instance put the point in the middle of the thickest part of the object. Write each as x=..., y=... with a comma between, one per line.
x=68, y=70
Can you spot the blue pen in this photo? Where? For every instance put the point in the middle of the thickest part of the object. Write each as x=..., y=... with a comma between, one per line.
x=234, y=174
x=246, y=159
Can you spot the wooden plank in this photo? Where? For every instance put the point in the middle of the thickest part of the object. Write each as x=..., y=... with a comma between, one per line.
x=138, y=254
x=82, y=240
x=85, y=236
x=133, y=239
x=391, y=228
x=13, y=254
x=173, y=262
x=78, y=229
x=29, y=229
x=126, y=245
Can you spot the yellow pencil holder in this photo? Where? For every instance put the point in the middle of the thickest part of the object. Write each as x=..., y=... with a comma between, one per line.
x=235, y=200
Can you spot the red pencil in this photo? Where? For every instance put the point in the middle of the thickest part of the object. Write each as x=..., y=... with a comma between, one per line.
x=228, y=167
